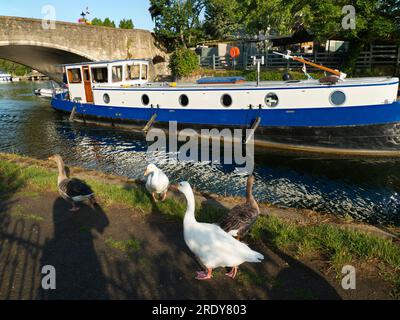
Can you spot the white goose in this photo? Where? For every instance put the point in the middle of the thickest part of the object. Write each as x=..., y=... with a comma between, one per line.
x=212, y=245
x=157, y=182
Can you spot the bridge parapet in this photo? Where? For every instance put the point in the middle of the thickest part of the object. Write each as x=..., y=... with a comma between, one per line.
x=25, y=41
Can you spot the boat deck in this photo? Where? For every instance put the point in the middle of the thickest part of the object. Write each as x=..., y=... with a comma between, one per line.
x=262, y=84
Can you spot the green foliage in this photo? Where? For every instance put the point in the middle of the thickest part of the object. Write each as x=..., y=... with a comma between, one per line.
x=374, y=19
x=97, y=22
x=106, y=23
x=339, y=246
x=14, y=68
x=126, y=24
x=183, y=62
x=177, y=22
x=223, y=18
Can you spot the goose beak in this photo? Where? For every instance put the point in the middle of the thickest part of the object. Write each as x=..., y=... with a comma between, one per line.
x=146, y=173
x=173, y=187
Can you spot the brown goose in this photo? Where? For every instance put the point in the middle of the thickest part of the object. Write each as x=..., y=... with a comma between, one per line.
x=72, y=190
x=241, y=218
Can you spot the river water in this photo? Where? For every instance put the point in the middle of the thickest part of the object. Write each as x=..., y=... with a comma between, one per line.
x=367, y=190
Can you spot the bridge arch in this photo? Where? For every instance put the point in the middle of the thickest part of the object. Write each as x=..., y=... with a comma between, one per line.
x=25, y=41
x=41, y=56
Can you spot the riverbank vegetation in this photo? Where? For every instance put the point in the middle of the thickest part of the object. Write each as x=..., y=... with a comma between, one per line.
x=333, y=245
x=184, y=24
x=14, y=69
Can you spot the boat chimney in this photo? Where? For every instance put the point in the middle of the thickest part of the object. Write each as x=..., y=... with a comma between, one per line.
x=258, y=62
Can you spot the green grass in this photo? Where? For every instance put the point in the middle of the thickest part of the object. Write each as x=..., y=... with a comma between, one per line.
x=20, y=212
x=339, y=247
x=129, y=247
x=335, y=245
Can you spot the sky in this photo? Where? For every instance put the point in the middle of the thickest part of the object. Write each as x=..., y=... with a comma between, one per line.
x=70, y=10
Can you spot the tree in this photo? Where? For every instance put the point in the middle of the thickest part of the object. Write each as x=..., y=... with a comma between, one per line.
x=108, y=23
x=126, y=24
x=223, y=18
x=375, y=20
x=177, y=22
x=97, y=22
x=183, y=62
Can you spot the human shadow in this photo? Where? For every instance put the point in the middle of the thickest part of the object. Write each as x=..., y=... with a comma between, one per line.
x=72, y=253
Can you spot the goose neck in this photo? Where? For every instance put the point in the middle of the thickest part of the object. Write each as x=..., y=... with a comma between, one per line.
x=62, y=175
x=190, y=215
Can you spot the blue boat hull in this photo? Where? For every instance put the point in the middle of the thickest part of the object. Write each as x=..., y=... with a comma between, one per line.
x=367, y=128
x=310, y=117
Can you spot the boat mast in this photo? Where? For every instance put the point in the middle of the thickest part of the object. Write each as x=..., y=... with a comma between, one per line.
x=288, y=56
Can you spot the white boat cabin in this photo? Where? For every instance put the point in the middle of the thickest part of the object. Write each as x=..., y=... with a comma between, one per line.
x=82, y=78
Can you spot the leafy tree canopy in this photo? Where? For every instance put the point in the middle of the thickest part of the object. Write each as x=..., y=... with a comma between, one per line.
x=178, y=22
x=126, y=24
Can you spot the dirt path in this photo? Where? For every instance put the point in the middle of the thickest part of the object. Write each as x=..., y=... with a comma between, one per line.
x=114, y=253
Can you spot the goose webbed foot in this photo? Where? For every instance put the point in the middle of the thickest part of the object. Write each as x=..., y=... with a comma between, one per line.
x=233, y=273
x=204, y=275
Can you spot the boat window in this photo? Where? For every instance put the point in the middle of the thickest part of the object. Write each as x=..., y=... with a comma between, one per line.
x=144, y=71
x=226, y=100
x=100, y=75
x=145, y=99
x=338, y=98
x=74, y=75
x=117, y=74
x=106, y=98
x=184, y=100
x=271, y=100
x=132, y=72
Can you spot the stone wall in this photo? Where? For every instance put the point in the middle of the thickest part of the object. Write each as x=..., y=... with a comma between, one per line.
x=26, y=41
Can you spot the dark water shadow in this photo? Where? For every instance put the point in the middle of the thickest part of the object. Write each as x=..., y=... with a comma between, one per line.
x=72, y=252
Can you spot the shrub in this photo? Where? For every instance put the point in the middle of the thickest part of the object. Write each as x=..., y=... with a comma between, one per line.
x=183, y=62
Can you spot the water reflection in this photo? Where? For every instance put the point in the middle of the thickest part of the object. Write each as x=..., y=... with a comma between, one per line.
x=366, y=189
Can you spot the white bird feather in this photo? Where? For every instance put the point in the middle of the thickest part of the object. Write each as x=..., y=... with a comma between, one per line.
x=212, y=245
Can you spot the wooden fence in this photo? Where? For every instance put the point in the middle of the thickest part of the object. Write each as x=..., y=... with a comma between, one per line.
x=388, y=55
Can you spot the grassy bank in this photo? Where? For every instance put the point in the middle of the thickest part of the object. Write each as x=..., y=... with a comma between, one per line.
x=335, y=246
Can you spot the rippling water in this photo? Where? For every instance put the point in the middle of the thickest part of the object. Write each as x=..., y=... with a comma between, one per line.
x=365, y=189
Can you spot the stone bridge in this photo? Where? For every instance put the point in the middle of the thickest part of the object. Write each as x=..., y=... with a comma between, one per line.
x=25, y=41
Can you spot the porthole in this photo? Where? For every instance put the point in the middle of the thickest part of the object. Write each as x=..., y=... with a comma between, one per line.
x=271, y=100
x=145, y=99
x=338, y=98
x=106, y=98
x=184, y=100
x=226, y=100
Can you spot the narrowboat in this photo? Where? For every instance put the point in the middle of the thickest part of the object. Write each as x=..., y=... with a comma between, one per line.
x=332, y=114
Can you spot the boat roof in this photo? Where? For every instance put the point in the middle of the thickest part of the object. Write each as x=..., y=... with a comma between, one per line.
x=268, y=85
x=102, y=62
